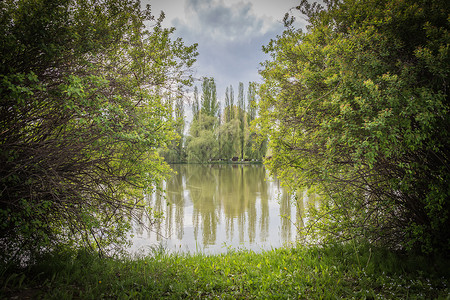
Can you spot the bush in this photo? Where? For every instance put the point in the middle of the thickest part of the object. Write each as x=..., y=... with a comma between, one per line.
x=357, y=106
x=81, y=117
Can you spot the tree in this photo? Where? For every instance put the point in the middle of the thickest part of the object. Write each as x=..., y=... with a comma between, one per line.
x=251, y=101
x=357, y=106
x=242, y=118
x=228, y=107
x=81, y=117
x=232, y=116
x=228, y=131
x=202, y=143
x=179, y=126
x=175, y=152
x=256, y=145
x=229, y=139
x=210, y=105
x=195, y=104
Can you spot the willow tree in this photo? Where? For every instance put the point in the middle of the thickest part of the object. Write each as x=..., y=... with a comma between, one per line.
x=202, y=143
x=358, y=106
x=81, y=117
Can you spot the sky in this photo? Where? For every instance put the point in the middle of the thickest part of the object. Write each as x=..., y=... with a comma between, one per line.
x=229, y=33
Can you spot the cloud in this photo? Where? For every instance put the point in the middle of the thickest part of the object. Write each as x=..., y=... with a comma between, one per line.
x=221, y=23
x=230, y=38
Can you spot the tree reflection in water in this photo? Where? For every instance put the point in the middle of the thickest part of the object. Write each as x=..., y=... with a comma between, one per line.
x=212, y=207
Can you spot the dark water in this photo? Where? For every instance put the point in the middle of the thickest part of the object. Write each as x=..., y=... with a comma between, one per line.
x=209, y=208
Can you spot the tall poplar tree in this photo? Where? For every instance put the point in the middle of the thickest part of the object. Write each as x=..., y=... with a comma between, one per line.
x=232, y=116
x=227, y=109
x=256, y=145
x=195, y=104
x=242, y=119
x=251, y=102
x=179, y=127
x=210, y=104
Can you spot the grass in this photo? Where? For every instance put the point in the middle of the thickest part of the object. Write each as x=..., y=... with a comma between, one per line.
x=332, y=272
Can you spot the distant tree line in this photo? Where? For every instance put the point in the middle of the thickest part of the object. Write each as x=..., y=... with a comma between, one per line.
x=217, y=134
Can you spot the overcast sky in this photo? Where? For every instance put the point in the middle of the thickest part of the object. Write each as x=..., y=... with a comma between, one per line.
x=229, y=33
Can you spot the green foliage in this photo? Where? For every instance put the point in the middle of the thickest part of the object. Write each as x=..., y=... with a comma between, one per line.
x=210, y=106
x=232, y=115
x=251, y=101
x=242, y=118
x=357, y=106
x=216, y=135
x=333, y=272
x=81, y=117
x=195, y=104
x=202, y=143
x=229, y=135
x=175, y=152
x=228, y=110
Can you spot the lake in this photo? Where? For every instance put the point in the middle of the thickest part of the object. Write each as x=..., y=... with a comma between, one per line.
x=210, y=208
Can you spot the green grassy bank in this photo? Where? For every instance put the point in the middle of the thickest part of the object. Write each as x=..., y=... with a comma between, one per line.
x=333, y=272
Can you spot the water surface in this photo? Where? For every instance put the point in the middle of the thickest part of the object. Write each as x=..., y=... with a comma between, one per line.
x=210, y=208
